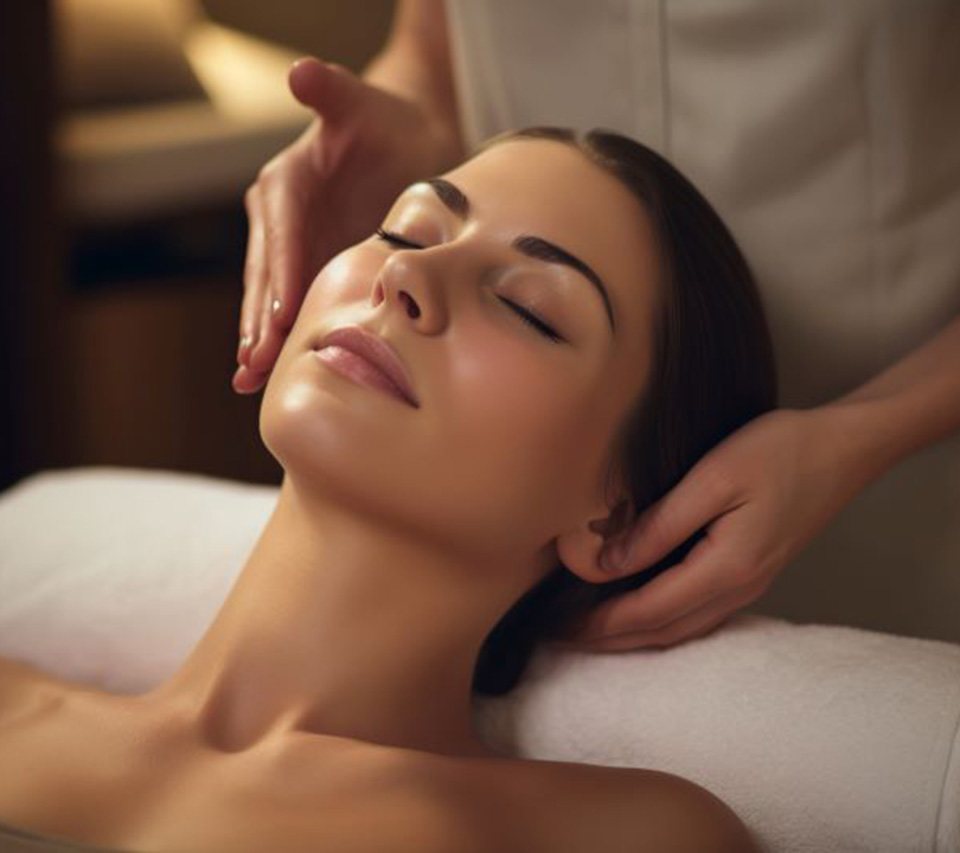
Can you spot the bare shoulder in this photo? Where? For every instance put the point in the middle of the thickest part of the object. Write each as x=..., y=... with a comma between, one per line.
x=24, y=690
x=508, y=805
x=631, y=810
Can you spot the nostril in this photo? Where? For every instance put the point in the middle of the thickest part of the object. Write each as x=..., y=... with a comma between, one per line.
x=412, y=308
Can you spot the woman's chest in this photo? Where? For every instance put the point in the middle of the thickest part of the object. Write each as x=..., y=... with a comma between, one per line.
x=107, y=786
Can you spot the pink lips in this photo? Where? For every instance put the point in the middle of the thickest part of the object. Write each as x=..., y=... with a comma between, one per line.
x=365, y=357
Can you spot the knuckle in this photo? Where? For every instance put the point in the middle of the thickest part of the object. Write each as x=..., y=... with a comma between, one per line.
x=264, y=173
x=272, y=229
x=268, y=171
x=250, y=199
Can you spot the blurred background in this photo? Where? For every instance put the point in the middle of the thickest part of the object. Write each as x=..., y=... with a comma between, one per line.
x=130, y=130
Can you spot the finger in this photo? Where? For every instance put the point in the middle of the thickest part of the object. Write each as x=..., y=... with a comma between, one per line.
x=257, y=256
x=693, y=625
x=286, y=212
x=246, y=381
x=283, y=216
x=254, y=275
x=699, y=498
x=701, y=577
x=330, y=89
x=264, y=356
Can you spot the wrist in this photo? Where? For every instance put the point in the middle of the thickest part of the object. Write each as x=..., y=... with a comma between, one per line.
x=448, y=144
x=866, y=434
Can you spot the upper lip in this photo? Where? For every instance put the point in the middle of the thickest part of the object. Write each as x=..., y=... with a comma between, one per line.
x=377, y=351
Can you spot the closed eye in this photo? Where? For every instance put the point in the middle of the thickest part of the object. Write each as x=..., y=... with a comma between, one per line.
x=527, y=316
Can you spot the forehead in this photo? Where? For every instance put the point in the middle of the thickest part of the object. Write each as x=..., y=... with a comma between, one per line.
x=552, y=190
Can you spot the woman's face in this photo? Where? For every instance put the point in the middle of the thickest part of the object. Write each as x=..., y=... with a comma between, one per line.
x=510, y=444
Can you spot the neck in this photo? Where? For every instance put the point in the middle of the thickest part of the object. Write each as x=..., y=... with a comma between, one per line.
x=345, y=627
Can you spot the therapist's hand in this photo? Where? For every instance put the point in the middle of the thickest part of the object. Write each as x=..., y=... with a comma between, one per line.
x=765, y=491
x=326, y=191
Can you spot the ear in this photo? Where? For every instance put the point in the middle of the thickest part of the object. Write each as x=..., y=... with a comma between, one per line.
x=580, y=548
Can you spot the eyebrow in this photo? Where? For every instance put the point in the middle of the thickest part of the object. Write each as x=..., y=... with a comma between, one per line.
x=530, y=245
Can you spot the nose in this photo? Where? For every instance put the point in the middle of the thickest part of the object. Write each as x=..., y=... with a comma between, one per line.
x=413, y=310
x=405, y=279
x=403, y=298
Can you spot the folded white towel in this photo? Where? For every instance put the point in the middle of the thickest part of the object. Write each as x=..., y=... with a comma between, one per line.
x=822, y=738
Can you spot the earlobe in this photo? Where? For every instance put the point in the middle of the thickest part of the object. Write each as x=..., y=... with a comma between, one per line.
x=579, y=549
x=614, y=522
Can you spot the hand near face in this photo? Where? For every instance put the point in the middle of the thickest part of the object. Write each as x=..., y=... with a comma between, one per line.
x=324, y=192
x=765, y=491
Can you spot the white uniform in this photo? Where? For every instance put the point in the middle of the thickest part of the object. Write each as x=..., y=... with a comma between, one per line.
x=827, y=135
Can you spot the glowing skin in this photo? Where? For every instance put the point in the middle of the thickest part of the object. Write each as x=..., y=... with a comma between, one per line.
x=402, y=535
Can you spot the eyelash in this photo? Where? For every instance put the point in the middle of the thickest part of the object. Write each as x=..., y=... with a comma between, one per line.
x=526, y=316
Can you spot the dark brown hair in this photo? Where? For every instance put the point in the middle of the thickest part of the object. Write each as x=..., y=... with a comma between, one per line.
x=713, y=370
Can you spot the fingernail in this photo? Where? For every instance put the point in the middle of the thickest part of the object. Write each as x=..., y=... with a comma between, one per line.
x=615, y=557
x=275, y=307
x=243, y=348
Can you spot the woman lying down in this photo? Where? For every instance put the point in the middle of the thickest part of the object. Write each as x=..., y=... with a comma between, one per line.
x=430, y=531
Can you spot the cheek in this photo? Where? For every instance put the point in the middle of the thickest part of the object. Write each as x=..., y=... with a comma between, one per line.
x=517, y=413
x=343, y=281
x=508, y=380
x=346, y=277
x=500, y=378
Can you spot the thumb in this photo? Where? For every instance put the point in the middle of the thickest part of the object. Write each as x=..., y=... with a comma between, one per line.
x=669, y=522
x=332, y=90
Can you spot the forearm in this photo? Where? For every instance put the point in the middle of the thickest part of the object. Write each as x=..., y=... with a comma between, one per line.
x=910, y=405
